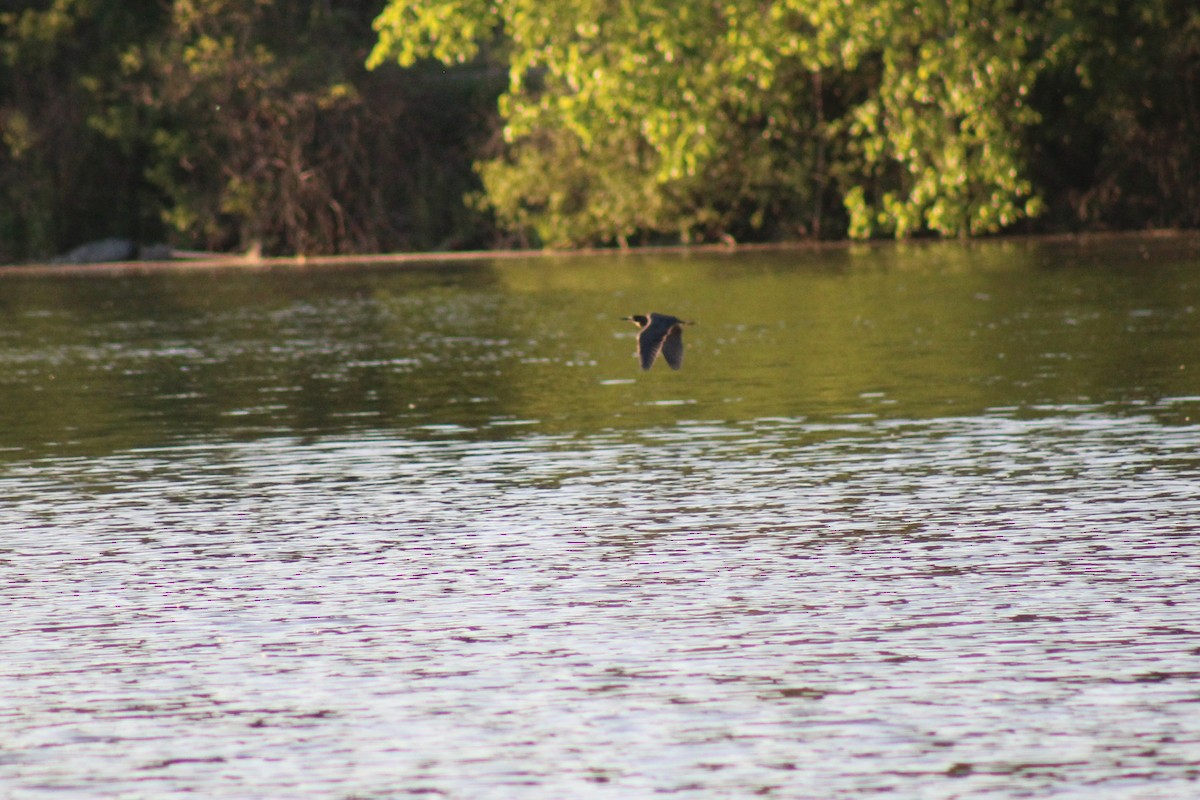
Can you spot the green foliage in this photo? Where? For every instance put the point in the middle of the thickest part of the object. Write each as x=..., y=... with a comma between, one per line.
x=709, y=119
x=222, y=123
x=262, y=129
x=231, y=130
x=680, y=105
x=937, y=145
x=448, y=31
x=61, y=181
x=626, y=119
x=1119, y=145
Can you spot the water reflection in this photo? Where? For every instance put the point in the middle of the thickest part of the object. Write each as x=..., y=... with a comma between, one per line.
x=91, y=365
x=915, y=521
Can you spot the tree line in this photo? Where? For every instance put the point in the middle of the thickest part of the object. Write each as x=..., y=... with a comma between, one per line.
x=346, y=126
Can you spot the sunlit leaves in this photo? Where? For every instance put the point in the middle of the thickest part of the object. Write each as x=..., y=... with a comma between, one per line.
x=939, y=144
x=449, y=31
x=675, y=107
x=919, y=108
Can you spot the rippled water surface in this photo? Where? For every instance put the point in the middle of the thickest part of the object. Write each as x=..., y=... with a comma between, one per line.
x=911, y=522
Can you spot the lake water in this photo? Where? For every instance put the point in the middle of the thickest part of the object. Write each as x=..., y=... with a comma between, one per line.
x=912, y=521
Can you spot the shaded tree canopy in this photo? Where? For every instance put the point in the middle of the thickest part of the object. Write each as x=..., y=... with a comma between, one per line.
x=221, y=124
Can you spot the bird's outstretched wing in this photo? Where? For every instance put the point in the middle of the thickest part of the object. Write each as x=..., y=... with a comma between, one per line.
x=650, y=342
x=672, y=347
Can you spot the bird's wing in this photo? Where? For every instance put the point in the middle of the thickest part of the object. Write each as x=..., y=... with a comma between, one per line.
x=672, y=347
x=650, y=341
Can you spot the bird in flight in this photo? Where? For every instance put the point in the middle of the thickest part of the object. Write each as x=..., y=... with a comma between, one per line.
x=659, y=333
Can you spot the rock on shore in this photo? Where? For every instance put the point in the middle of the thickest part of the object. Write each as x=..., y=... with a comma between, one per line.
x=114, y=249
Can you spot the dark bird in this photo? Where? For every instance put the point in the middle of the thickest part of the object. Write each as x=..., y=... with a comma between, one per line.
x=659, y=333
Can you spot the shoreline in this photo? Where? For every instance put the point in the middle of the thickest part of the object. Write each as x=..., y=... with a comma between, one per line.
x=254, y=262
